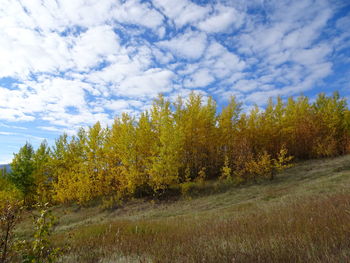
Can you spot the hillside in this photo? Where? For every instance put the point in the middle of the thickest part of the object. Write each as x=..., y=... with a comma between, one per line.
x=303, y=215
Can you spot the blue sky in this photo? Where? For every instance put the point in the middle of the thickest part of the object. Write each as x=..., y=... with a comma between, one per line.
x=66, y=64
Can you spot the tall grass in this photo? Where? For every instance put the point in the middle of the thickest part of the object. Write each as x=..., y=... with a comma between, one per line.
x=302, y=230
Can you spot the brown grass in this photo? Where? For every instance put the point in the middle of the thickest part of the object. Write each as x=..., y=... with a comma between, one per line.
x=312, y=230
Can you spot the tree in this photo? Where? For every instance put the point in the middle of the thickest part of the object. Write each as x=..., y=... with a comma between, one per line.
x=94, y=168
x=124, y=133
x=22, y=168
x=68, y=160
x=197, y=122
x=167, y=148
x=181, y=142
x=42, y=173
x=300, y=127
x=228, y=128
x=347, y=131
x=330, y=114
x=145, y=139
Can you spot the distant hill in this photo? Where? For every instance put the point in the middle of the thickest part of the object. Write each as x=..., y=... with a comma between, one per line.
x=5, y=166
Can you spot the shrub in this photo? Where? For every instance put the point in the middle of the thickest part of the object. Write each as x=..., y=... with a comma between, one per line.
x=9, y=217
x=188, y=188
x=264, y=166
x=41, y=249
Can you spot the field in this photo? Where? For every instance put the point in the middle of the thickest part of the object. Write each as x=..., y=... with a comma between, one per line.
x=301, y=216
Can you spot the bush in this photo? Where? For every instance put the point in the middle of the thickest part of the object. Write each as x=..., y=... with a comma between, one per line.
x=9, y=217
x=41, y=249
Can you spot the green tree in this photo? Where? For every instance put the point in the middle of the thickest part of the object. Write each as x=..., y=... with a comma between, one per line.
x=22, y=168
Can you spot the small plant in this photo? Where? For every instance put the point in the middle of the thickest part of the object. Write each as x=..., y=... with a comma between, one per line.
x=188, y=174
x=283, y=160
x=201, y=176
x=188, y=188
x=111, y=202
x=260, y=167
x=41, y=249
x=226, y=170
x=264, y=166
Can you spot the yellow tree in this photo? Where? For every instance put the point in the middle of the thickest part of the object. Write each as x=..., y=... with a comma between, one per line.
x=228, y=133
x=331, y=133
x=42, y=173
x=198, y=125
x=145, y=139
x=347, y=131
x=299, y=127
x=95, y=174
x=252, y=130
x=124, y=134
x=69, y=158
x=132, y=143
x=166, y=151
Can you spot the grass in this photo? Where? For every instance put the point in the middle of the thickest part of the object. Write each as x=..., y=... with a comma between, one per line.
x=302, y=216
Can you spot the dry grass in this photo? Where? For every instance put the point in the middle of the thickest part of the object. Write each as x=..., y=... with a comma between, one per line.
x=312, y=230
x=302, y=216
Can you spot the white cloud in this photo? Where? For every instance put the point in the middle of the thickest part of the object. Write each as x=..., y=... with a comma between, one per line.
x=200, y=78
x=246, y=85
x=217, y=63
x=148, y=84
x=54, y=94
x=93, y=46
x=224, y=19
x=14, y=115
x=13, y=127
x=119, y=70
x=312, y=55
x=7, y=133
x=134, y=12
x=75, y=121
x=24, y=51
x=182, y=12
x=121, y=105
x=58, y=130
x=58, y=15
x=189, y=45
x=221, y=61
x=286, y=54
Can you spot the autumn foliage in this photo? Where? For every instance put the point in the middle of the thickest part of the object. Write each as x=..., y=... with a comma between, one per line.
x=184, y=141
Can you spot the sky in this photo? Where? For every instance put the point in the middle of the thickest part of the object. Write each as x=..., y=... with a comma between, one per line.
x=66, y=64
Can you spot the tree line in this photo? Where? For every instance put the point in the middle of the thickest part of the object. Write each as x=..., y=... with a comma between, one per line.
x=179, y=142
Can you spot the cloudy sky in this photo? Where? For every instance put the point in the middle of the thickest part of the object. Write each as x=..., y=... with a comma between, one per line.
x=69, y=63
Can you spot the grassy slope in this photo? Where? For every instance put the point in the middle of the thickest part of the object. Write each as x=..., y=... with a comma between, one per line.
x=303, y=215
